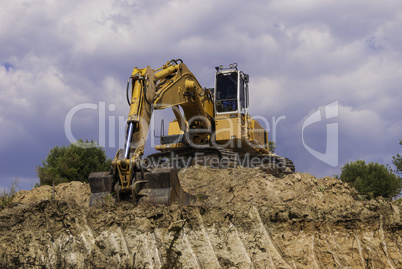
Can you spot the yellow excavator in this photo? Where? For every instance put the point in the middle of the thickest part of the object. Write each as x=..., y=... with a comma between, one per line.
x=212, y=127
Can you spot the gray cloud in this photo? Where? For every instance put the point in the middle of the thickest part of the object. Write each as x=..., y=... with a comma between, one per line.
x=300, y=56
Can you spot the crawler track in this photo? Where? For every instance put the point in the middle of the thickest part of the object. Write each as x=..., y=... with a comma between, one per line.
x=218, y=158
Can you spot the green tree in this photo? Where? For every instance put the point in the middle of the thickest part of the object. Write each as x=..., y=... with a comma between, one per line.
x=371, y=178
x=397, y=161
x=272, y=146
x=72, y=163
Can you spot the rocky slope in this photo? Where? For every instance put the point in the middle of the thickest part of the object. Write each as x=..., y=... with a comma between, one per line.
x=249, y=220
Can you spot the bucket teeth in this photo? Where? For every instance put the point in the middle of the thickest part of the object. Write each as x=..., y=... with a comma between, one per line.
x=162, y=187
x=138, y=185
x=159, y=187
x=101, y=186
x=136, y=190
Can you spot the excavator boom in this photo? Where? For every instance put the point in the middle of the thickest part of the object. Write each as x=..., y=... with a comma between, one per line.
x=169, y=86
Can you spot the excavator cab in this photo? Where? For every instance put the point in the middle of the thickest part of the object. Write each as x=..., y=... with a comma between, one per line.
x=232, y=121
x=231, y=90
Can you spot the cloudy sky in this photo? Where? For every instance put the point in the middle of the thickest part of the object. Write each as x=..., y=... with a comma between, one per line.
x=66, y=63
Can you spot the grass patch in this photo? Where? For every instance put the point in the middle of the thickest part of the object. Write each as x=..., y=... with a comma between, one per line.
x=322, y=188
x=6, y=196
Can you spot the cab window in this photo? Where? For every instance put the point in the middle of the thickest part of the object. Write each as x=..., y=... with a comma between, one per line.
x=242, y=94
x=226, y=92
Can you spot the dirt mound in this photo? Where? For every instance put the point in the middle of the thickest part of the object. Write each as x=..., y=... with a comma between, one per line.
x=221, y=187
x=249, y=220
x=72, y=191
x=254, y=186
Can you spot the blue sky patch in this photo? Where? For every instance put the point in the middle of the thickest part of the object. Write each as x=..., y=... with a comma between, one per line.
x=372, y=44
x=8, y=66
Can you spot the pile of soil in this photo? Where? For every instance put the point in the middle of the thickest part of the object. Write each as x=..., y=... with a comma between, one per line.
x=244, y=218
x=255, y=187
x=223, y=187
x=73, y=191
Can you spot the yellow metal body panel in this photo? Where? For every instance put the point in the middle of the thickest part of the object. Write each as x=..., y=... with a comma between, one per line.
x=170, y=146
x=228, y=126
x=174, y=128
x=183, y=89
x=241, y=133
x=258, y=136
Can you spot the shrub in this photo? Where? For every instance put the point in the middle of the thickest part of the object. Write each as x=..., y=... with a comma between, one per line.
x=6, y=195
x=72, y=163
x=371, y=179
x=397, y=161
x=272, y=146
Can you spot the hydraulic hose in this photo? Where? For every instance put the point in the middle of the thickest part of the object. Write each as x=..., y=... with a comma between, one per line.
x=145, y=91
x=128, y=84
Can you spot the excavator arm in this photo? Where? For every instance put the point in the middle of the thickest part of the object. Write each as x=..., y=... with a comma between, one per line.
x=172, y=85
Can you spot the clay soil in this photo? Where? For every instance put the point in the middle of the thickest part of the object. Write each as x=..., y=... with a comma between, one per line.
x=243, y=218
